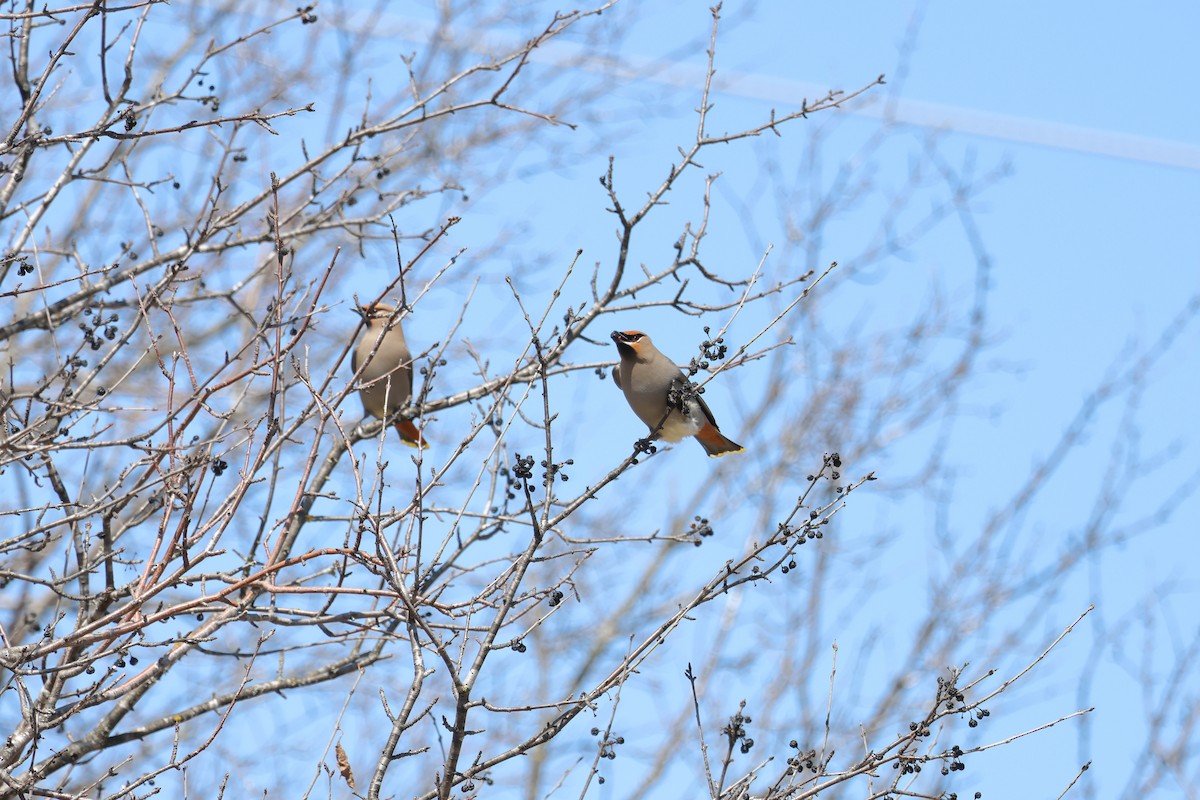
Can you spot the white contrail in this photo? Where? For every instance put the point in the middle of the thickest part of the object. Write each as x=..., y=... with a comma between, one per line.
x=787, y=94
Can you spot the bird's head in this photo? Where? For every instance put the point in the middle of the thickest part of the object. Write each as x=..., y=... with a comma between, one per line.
x=375, y=313
x=631, y=343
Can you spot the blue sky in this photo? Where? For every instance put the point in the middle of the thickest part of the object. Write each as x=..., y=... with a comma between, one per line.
x=1077, y=121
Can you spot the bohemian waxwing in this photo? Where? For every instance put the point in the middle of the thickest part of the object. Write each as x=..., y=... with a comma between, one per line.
x=646, y=377
x=385, y=384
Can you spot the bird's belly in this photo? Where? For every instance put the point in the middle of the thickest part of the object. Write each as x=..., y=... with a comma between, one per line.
x=679, y=427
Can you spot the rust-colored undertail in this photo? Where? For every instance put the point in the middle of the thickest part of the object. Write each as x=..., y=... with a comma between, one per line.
x=409, y=433
x=716, y=443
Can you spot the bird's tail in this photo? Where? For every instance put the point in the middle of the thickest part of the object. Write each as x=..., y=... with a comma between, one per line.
x=409, y=434
x=716, y=443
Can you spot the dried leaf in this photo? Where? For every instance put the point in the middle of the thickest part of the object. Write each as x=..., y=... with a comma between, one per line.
x=343, y=764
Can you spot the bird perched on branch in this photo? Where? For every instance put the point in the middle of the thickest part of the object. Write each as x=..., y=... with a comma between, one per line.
x=385, y=384
x=662, y=397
